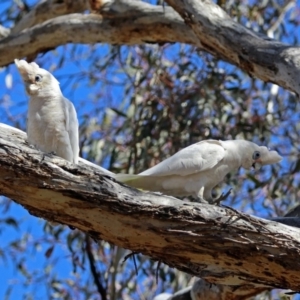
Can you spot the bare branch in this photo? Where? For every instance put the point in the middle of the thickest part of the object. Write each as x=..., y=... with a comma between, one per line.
x=259, y=56
x=286, y=7
x=95, y=273
x=4, y=32
x=135, y=22
x=74, y=28
x=46, y=10
x=220, y=245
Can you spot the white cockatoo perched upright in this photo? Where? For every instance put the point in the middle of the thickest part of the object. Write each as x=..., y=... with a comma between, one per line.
x=197, y=169
x=52, y=124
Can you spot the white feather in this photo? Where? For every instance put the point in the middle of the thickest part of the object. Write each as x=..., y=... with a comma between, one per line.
x=196, y=158
x=197, y=169
x=52, y=124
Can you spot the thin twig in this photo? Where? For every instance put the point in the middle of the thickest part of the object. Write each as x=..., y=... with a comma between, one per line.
x=156, y=272
x=96, y=275
x=134, y=261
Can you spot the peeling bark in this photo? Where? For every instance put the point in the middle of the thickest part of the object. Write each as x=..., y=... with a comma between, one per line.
x=218, y=244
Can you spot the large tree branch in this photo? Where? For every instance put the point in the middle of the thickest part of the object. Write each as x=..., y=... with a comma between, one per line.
x=46, y=10
x=135, y=22
x=220, y=245
x=150, y=26
x=259, y=56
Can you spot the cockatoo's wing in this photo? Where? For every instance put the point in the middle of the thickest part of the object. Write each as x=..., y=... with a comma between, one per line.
x=128, y=177
x=72, y=128
x=193, y=159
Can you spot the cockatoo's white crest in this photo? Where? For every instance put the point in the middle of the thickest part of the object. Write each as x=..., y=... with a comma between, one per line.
x=35, y=78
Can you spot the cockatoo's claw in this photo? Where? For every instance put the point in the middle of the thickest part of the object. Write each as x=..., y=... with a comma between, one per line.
x=31, y=146
x=44, y=155
x=223, y=197
x=202, y=200
x=50, y=154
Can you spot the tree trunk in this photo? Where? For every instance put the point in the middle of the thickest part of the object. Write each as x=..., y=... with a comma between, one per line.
x=218, y=244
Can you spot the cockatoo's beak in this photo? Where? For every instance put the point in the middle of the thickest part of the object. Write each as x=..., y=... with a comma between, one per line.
x=257, y=165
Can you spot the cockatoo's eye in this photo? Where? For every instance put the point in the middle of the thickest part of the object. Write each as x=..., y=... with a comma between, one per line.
x=38, y=78
x=256, y=155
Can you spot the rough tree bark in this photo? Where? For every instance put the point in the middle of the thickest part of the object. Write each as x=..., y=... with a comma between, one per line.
x=202, y=24
x=241, y=254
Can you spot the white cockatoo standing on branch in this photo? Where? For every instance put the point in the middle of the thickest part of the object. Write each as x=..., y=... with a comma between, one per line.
x=52, y=124
x=197, y=169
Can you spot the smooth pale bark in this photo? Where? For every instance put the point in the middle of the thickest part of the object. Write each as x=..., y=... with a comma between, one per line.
x=259, y=56
x=203, y=24
x=46, y=10
x=149, y=25
x=220, y=245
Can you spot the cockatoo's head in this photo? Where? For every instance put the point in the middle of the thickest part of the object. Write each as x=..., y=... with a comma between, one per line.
x=37, y=81
x=256, y=156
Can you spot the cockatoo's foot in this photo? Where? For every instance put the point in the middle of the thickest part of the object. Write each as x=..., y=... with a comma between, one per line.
x=31, y=146
x=51, y=154
x=44, y=155
x=223, y=197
